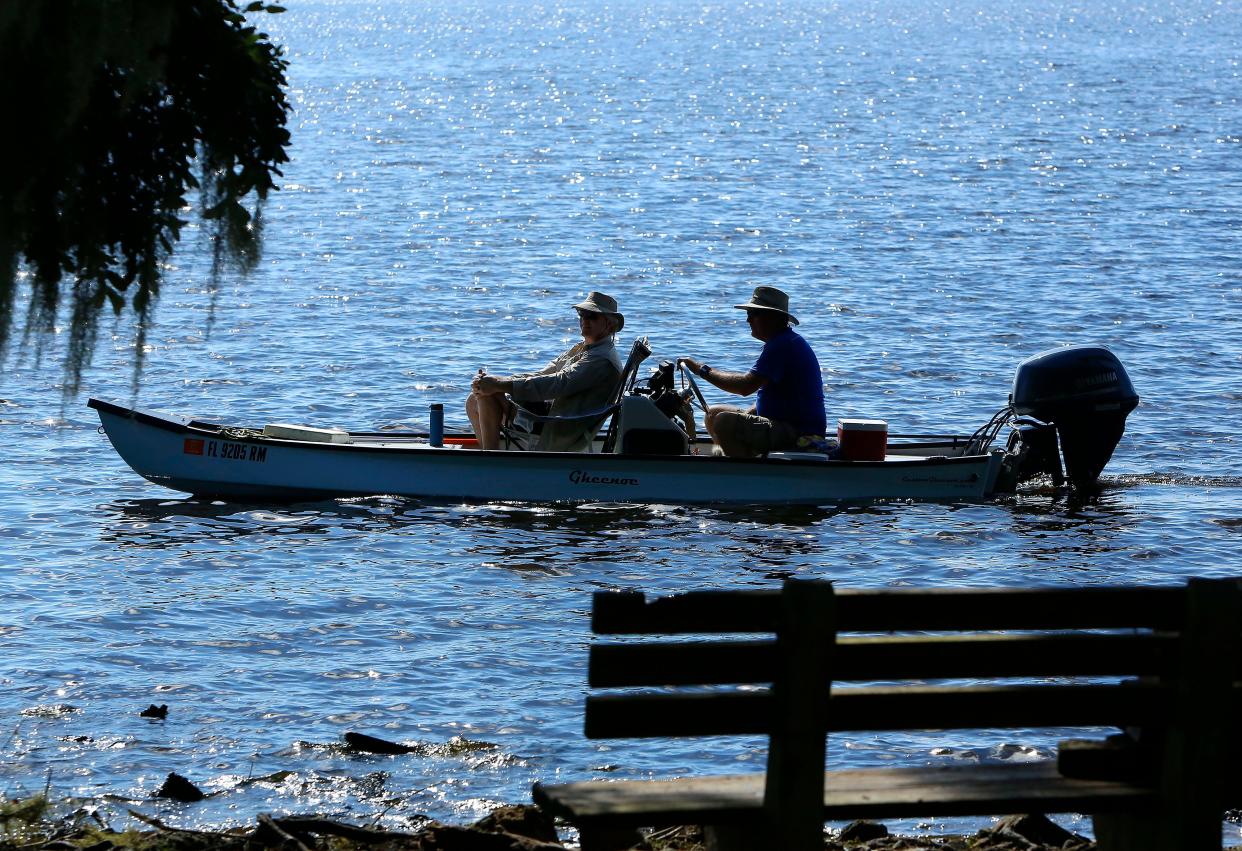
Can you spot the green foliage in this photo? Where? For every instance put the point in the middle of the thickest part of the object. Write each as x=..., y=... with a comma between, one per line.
x=117, y=111
x=19, y=818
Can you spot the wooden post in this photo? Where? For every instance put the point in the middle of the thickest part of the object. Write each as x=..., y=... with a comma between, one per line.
x=1195, y=751
x=794, y=789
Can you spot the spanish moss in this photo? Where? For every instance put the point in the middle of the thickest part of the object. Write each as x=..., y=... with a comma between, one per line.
x=132, y=108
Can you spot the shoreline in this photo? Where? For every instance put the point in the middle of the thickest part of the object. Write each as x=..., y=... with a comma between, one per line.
x=29, y=825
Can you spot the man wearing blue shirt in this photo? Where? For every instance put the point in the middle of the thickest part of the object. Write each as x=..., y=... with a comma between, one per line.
x=790, y=401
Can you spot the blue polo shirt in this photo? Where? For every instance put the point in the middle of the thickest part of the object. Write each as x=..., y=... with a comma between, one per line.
x=795, y=390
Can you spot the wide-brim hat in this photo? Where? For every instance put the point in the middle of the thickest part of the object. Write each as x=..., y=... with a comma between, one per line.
x=771, y=299
x=600, y=303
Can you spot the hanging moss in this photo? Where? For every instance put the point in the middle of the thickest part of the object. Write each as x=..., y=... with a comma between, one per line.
x=117, y=111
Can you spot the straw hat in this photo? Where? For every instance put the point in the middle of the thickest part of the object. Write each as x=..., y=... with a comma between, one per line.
x=600, y=303
x=769, y=298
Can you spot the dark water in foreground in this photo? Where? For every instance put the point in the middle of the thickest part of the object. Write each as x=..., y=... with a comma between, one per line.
x=943, y=192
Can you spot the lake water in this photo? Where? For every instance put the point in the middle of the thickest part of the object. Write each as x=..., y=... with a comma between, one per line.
x=943, y=190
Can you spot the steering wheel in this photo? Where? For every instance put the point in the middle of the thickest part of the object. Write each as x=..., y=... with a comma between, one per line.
x=688, y=377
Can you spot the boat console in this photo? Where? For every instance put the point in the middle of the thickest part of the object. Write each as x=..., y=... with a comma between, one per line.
x=646, y=430
x=647, y=422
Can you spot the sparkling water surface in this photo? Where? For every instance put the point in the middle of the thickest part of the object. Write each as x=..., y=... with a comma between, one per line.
x=943, y=192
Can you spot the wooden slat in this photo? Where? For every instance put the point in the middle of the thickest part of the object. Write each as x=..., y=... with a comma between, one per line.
x=904, y=609
x=953, y=609
x=650, y=715
x=663, y=663
x=889, y=658
x=996, y=707
x=981, y=790
x=1117, y=757
x=884, y=708
x=948, y=790
x=1005, y=656
x=646, y=803
x=619, y=613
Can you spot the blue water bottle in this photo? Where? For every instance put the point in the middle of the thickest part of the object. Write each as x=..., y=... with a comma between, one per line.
x=436, y=437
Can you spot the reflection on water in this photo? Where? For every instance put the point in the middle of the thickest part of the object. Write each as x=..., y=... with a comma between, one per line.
x=169, y=523
x=641, y=543
x=1071, y=533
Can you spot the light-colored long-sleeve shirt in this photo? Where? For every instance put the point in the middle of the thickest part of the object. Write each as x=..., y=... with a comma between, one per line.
x=578, y=381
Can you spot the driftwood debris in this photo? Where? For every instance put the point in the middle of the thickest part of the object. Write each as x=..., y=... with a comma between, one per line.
x=370, y=744
x=509, y=828
x=301, y=827
x=178, y=788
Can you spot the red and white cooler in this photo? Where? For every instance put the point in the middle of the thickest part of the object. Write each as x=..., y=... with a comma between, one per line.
x=862, y=440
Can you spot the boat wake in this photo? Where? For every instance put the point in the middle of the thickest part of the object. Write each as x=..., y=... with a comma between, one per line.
x=1128, y=480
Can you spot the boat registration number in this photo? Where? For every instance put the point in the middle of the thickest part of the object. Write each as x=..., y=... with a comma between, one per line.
x=224, y=450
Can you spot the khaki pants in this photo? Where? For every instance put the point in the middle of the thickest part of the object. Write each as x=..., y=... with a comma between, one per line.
x=741, y=434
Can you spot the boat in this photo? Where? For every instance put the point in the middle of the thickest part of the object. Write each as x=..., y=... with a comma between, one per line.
x=1069, y=402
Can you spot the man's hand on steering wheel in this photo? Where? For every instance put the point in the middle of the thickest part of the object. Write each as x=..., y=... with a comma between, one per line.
x=689, y=367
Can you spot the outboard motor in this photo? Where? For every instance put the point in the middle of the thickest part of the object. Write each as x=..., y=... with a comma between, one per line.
x=1033, y=451
x=1085, y=393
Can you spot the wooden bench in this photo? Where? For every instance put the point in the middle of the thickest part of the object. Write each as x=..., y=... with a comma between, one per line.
x=1161, y=664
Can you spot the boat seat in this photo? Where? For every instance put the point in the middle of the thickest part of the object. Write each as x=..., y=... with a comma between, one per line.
x=522, y=429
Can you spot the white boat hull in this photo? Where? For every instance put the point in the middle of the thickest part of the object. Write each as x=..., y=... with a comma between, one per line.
x=211, y=461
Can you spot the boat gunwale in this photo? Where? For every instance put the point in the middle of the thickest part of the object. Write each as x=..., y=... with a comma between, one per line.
x=183, y=425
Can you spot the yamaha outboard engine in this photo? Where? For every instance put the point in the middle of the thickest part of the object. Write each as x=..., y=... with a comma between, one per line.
x=1084, y=392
